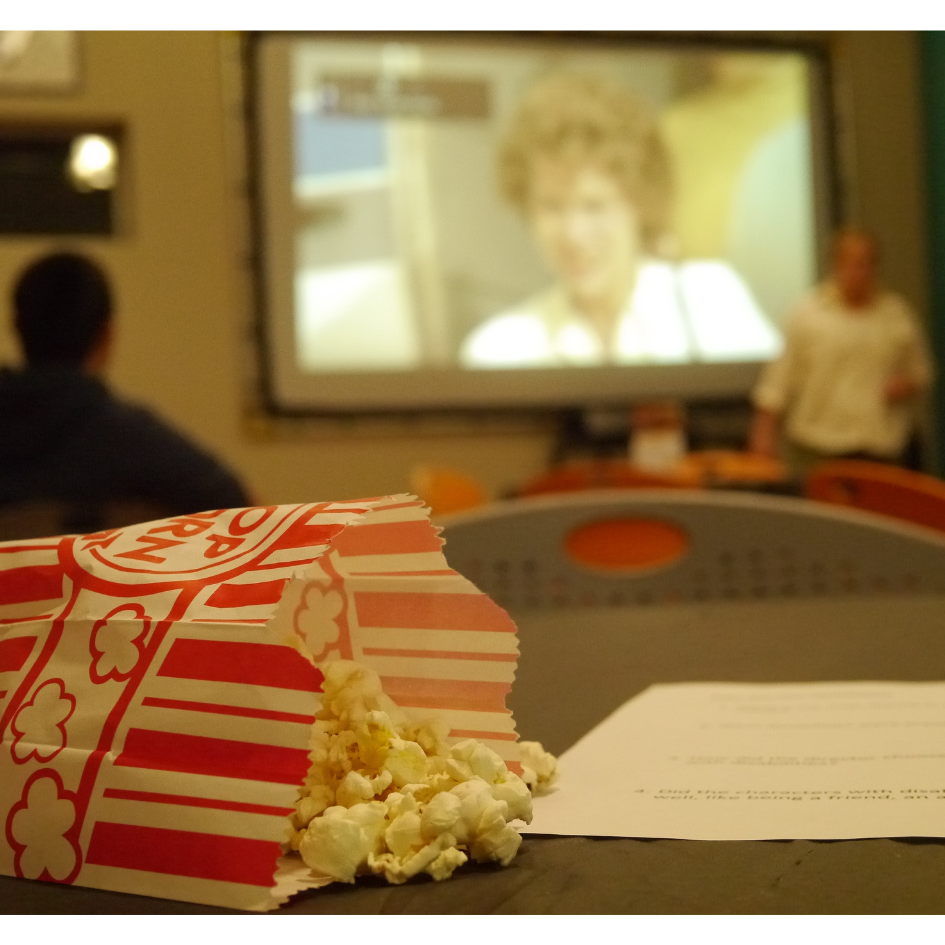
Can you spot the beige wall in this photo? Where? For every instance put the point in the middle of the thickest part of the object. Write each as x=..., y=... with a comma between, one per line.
x=179, y=262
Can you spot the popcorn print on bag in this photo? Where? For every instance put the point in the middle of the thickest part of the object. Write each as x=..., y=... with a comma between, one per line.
x=316, y=620
x=36, y=828
x=40, y=725
x=117, y=643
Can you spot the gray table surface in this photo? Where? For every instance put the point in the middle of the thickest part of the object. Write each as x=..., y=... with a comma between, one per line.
x=577, y=666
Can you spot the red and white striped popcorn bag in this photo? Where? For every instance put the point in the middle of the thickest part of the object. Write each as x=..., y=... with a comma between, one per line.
x=155, y=717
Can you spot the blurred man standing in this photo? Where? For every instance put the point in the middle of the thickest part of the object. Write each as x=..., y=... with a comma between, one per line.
x=854, y=362
x=63, y=436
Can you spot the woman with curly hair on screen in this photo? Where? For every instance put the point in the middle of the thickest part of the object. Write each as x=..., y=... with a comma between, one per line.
x=582, y=160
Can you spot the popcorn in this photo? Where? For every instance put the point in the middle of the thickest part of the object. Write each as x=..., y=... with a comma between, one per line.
x=442, y=867
x=312, y=804
x=495, y=839
x=439, y=815
x=354, y=789
x=338, y=842
x=515, y=793
x=404, y=836
x=406, y=762
x=389, y=796
x=539, y=768
x=436, y=859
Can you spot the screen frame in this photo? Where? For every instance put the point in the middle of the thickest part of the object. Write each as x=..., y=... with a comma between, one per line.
x=523, y=392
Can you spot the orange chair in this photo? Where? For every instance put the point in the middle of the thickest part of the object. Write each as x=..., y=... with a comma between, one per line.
x=877, y=487
x=446, y=490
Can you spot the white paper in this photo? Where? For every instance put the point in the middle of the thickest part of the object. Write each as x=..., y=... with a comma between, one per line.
x=740, y=761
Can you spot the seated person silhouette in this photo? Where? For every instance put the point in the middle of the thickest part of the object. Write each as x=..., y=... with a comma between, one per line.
x=65, y=438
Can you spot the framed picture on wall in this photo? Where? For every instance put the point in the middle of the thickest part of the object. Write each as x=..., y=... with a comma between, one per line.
x=38, y=61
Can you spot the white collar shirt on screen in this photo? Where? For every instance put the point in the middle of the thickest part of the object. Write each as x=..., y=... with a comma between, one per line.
x=677, y=314
x=829, y=383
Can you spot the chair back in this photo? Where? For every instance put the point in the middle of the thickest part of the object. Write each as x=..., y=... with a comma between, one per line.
x=653, y=546
x=881, y=488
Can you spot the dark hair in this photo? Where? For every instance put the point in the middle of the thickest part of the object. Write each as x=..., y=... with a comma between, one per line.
x=62, y=305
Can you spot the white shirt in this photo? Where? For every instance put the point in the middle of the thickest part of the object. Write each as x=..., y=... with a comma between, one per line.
x=694, y=311
x=829, y=381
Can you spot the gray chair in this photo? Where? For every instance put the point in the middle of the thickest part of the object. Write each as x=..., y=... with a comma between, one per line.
x=738, y=546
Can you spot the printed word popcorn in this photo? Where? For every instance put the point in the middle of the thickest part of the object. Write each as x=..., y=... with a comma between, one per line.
x=389, y=797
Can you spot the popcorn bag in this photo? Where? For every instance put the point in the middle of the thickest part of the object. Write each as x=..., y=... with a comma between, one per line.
x=159, y=685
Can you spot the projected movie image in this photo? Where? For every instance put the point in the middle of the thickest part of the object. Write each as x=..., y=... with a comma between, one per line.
x=497, y=210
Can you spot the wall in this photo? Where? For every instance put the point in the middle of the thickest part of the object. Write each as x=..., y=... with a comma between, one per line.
x=179, y=263
x=880, y=103
x=883, y=158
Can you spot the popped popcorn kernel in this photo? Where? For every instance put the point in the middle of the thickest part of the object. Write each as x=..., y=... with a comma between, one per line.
x=439, y=815
x=374, y=733
x=431, y=736
x=442, y=867
x=354, y=789
x=463, y=751
x=398, y=804
x=459, y=770
x=514, y=791
x=424, y=858
x=486, y=764
x=496, y=840
x=475, y=799
x=403, y=836
x=334, y=846
x=539, y=768
x=313, y=803
x=406, y=762
x=388, y=796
